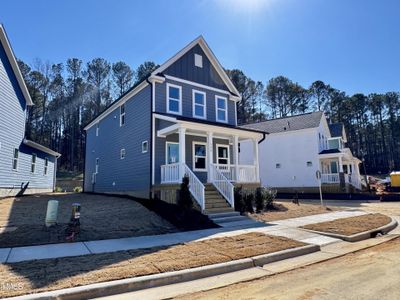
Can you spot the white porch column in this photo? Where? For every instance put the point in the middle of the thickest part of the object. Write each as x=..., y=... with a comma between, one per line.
x=340, y=164
x=182, y=151
x=256, y=162
x=210, y=155
x=236, y=156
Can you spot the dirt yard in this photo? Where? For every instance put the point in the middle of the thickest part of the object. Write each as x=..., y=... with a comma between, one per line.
x=287, y=210
x=22, y=219
x=352, y=225
x=51, y=274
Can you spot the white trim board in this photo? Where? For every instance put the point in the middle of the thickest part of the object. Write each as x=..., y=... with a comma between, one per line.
x=210, y=55
x=14, y=65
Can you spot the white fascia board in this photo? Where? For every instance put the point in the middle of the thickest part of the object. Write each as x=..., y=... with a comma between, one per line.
x=121, y=101
x=165, y=118
x=156, y=79
x=11, y=57
x=210, y=55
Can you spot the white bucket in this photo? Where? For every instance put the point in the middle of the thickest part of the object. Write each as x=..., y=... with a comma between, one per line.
x=51, y=214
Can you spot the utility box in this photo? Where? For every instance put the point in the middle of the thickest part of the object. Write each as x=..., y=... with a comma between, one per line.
x=395, y=179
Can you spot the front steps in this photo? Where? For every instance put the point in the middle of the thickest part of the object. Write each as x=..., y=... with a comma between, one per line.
x=234, y=219
x=214, y=201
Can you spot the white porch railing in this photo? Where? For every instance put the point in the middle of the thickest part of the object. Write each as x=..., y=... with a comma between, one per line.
x=246, y=173
x=195, y=187
x=170, y=173
x=330, y=178
x=222, y=184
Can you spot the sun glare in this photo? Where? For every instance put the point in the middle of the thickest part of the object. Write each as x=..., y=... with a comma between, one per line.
x=246, y=6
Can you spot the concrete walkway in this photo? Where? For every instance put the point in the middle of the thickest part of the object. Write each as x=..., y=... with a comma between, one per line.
x=287, y=228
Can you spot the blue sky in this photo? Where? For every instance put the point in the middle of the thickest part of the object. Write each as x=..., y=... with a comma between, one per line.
x=354, y=45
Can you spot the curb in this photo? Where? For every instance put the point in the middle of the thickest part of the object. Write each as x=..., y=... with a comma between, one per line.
x=157, y=280
x=359, y=236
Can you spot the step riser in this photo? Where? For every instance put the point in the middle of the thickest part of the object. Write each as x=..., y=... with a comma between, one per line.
x=224, y=215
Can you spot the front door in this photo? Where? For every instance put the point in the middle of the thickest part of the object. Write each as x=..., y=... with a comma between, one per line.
x=172, y=155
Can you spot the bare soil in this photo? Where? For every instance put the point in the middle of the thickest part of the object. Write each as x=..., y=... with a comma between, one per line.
x=51, y=274
x=288, y=210
x=22, y=219
x=352, y=225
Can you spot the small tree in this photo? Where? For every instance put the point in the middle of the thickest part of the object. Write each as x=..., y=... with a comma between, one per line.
x=248, y=202
x=185, y=200
x=238, y=198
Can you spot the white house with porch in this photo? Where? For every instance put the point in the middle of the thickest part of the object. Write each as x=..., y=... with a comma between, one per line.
x=296, y=147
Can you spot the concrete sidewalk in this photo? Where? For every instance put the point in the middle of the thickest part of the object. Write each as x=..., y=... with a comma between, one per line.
x=287, y=228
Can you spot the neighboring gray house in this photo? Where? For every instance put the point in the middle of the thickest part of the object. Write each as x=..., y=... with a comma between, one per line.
x=180, y=120
x=25, y=166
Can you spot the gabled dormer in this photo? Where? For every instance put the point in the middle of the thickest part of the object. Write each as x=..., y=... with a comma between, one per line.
x=193, y=84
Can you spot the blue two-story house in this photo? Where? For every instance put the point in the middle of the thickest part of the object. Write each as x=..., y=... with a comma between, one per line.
x=180, y=120
x=25, y=166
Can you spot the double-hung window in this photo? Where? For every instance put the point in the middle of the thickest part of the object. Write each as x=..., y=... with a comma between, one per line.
x=33, y=163
x=199, y=156
x=221, y=108
x=122, y=115
x=174, y=99
x=15, y=160
x=199, y=104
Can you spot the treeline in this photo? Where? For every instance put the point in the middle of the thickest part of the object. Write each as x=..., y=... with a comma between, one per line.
x=68, y=95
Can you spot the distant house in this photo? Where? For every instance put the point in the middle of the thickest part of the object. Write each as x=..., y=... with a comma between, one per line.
x=297, y=147
x=25, y=166
x=180, y=120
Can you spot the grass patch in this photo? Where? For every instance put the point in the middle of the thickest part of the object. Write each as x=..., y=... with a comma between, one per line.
x=352, y=225
x=51, y=274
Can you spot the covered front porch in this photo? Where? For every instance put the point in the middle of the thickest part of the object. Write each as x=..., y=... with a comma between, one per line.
x=206, y=154
x=341, y=169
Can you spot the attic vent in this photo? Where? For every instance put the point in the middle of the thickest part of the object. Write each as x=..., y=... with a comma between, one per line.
x=198, y=60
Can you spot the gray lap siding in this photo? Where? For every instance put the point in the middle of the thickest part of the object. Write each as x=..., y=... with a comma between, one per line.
x=131, y=174
x=187, y=102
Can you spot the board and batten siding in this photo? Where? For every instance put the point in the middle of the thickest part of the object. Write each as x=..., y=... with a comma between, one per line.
x=130, y=175
x=187, y=102
x=12, y=131
x=185, y=68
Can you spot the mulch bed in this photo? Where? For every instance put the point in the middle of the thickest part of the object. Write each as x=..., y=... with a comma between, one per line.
x=288, y=210
x=352, y=225
x=52, y=274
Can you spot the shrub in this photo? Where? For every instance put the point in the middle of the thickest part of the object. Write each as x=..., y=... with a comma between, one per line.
x=270, y=196
x=248, y=202
x=58, y=189
x=185, y=200
x=260, y=199
x=238, y=198
x=78, y=189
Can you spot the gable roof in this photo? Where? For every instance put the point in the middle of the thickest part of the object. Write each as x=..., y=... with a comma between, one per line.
x=336, y=129
x=11, y=58
x=210, y=55
x=285, y=124
x=37, y=146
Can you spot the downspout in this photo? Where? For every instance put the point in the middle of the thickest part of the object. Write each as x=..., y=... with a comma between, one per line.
x=264, y=136
x=151, y=139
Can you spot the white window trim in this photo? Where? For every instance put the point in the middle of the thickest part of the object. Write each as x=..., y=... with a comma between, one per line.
x=194, y=92
x=147, y=146
x=194, y=156
x=122, y=114
x=217, y=109
x=97, y=163
x=15, y=159
x=166, y=151
x=124, y=153
x=217, y=154
x=97, y=129
x=46, y=167
x=180, y=99
x=33, y=164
